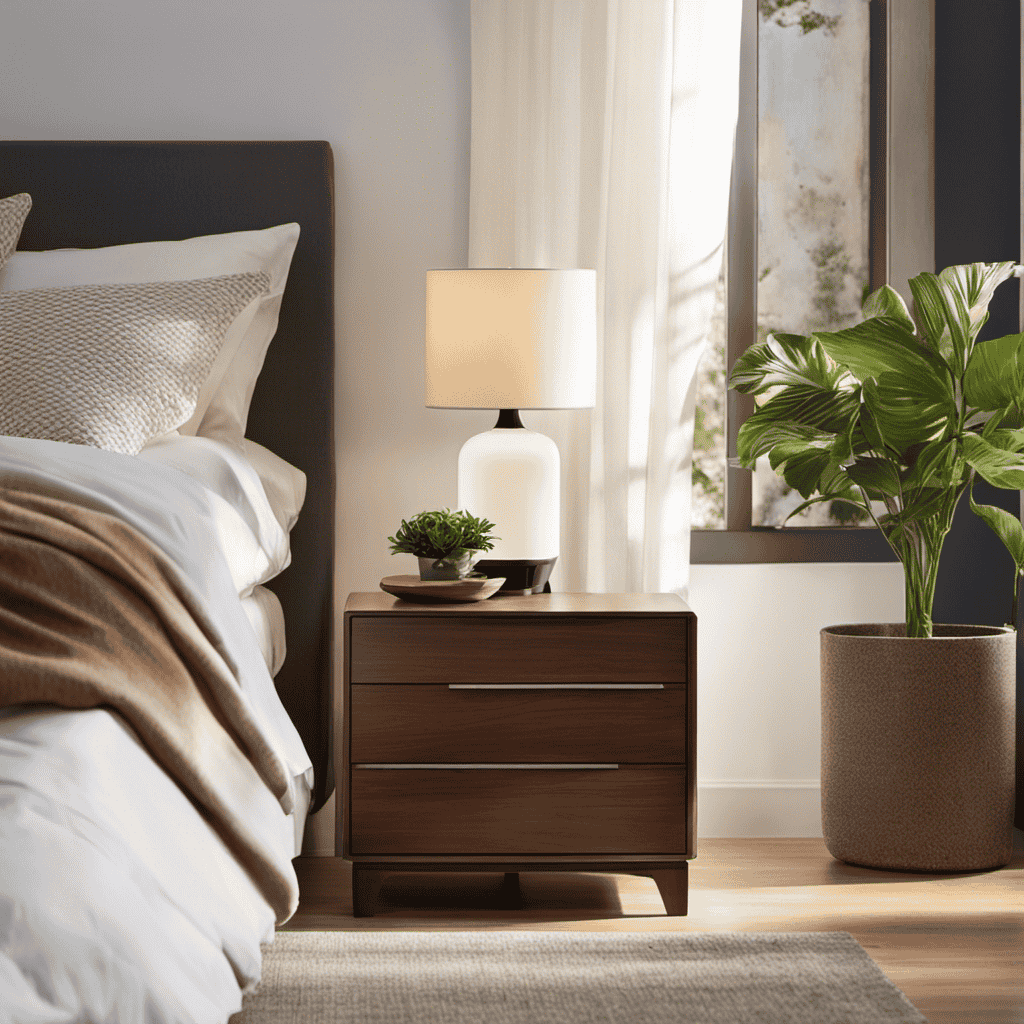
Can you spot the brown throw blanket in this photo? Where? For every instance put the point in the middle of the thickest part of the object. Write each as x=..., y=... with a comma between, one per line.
x=93, y=614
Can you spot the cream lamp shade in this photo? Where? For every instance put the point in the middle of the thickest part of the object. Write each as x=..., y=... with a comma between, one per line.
x=512, y=339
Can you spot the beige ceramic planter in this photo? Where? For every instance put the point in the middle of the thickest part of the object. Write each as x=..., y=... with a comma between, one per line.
x=917, y=746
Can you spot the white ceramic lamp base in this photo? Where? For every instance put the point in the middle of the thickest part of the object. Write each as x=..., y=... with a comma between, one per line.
x=511, y=476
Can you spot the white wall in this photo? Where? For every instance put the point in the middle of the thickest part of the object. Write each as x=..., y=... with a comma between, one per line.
x=386, y=82
x=758, y=706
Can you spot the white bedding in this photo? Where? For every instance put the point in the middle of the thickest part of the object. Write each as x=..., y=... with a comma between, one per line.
x=250, y=534
x=266, y=617
x=118, y=902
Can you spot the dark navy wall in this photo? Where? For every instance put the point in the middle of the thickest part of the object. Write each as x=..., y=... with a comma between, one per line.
x=977, y=219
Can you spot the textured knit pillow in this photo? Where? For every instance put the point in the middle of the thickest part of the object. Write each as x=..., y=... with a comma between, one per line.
x=13, y=211
x=113, y=366
x=223, y=403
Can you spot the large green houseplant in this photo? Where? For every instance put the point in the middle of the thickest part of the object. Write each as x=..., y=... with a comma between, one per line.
x=906, y=409
x=917, y=724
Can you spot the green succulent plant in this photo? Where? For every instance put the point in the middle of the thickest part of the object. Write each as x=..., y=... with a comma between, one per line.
x=443, y=534
x=901, y=409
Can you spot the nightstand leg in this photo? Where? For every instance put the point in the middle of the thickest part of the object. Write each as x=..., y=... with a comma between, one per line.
x=511, y=895
x=671, y=884
x=365, y=891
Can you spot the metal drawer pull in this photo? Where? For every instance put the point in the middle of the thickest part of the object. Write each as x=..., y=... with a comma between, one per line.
x=556, y=686
x=482, y=767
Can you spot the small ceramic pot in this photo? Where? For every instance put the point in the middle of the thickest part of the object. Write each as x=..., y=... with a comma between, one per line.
x=455, y=568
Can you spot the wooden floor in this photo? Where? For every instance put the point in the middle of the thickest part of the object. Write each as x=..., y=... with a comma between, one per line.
x=953, y=943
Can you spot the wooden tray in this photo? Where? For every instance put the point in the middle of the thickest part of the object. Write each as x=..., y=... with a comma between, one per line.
x=412, y=588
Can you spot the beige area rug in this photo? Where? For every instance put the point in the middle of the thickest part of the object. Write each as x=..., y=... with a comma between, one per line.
x=572, y=978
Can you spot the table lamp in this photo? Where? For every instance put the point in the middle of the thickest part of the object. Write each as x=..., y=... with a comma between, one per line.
x=512, y=339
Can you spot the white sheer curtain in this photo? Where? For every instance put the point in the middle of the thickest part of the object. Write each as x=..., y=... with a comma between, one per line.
x=602, y=136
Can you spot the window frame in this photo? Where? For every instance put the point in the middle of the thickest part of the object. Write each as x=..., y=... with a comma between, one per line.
x=902, y=244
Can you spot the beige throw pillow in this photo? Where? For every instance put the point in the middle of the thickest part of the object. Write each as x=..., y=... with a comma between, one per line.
x=113, y=366
x=223, y=403
x=13, y=211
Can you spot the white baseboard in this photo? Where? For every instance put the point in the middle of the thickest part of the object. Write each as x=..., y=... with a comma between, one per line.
x=761, y=808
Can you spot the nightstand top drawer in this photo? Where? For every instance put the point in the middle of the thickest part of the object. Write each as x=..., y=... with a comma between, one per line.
x=538, y=649
x=526, y=605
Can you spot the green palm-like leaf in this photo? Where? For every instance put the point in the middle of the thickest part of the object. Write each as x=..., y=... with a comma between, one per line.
x=988, y=421
x=930, y=315
x=813, y=463
x=888, y=302
x=933, y=465
x=995, y=374
x=801, y=467
x=1006, y=526
x=1012, y=416
x=920, y=511
x=1012, y=440
x=807, y=458
x=960, y=332
x=827, y=409
x=783, y=360
x=834, y=482
x=958, y=318
x=877, y=476
x=909, y=409
x=931, y=482
x=925, y=504
x=850, y=497
x=951, y=307
x=884, y=345
x=865, y=438
x=761, y=432
x=974, y=284
x=999, y=466
x=1009, y=418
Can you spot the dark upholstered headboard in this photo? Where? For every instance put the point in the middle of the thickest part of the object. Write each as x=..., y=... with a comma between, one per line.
x=89, y=194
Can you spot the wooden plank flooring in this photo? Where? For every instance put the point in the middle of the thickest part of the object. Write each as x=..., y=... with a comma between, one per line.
x=953, y=943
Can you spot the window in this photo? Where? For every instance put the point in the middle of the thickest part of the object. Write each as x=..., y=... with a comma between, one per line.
x=856, y=149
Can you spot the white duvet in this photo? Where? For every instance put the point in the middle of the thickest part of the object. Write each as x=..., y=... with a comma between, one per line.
x=118, y=902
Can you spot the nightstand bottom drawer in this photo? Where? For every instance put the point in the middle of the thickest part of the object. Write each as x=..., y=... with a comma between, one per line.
x=634, y=809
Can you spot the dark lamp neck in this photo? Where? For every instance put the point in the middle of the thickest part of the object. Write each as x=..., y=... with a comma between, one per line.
x=508, y=418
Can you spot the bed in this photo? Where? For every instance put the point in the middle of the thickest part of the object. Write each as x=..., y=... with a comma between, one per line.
x=157, y=765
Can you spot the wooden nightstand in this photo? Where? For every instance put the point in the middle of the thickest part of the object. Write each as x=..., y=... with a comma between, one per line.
x=550, y=732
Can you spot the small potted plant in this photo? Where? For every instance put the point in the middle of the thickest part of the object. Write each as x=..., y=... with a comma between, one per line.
x=446, y=543
x=907, y=410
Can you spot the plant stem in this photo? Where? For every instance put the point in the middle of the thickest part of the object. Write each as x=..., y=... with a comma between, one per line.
x=919, y=585
x=921, y=553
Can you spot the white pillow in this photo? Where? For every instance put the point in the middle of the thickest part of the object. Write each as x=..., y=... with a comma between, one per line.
x=223, y=403
x=13, y=211
x=254, y=543
x=113, y=366
x=285, y=485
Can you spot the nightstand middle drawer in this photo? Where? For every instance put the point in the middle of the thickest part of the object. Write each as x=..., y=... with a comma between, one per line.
x=628, y=723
